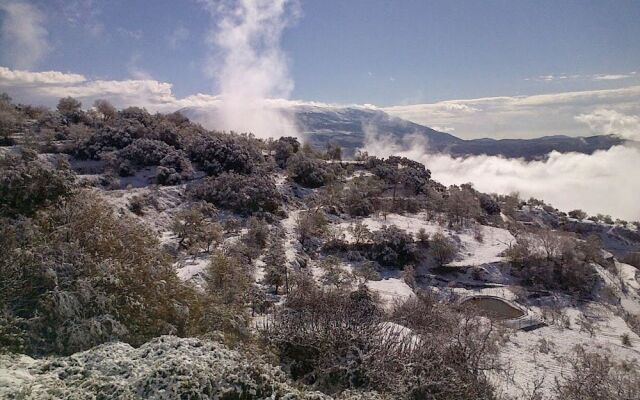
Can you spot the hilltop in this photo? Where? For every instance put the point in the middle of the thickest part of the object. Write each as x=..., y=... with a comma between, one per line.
x=145, y=256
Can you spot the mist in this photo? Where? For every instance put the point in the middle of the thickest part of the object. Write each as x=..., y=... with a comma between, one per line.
x=606, y=182
x=249, y=66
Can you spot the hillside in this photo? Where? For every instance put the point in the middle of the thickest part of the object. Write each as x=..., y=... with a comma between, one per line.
x=147, y=257
x=348, y=128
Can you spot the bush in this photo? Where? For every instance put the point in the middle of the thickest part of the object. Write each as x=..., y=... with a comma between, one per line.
x=219, y=152
x=578, y=214
x=27, y=184
x=306, y=171
x=78, y=275
x=442, y=249
x=339, y=340
x=245, y=195
x=489, y=205
x=284, y=148
x=596, y=376
x=393, y=247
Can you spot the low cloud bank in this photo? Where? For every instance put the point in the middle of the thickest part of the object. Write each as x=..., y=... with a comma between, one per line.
x=606, y=182
x=517, y=117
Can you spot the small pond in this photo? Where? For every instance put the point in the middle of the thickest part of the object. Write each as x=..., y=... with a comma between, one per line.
x=494, y=308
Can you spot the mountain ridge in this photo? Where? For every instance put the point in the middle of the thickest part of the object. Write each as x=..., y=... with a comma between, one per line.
x=349, y=127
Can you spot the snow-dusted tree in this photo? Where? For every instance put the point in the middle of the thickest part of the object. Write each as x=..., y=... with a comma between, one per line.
x=69, y=107
x=106, y=109
x=195, y=228
x=276, y=269
x=360, y=232
x=442, y=249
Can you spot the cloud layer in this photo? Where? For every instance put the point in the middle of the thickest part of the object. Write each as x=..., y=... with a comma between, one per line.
x=606, y=182
x=521, y=116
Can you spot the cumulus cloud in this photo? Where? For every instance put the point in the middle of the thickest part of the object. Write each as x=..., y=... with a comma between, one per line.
x=612, y=122
x=606, y=182
x=521, y=116
x=249, y=64
x=24, y=37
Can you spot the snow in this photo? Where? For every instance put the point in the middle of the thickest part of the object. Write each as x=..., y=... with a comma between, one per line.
x=390, y=290
x=191, y=267
x=164, y=368
x=529, y=364
x=475, y=253
x=471, y=251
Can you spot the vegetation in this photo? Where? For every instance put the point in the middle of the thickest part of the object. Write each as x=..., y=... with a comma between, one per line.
x=82, y=265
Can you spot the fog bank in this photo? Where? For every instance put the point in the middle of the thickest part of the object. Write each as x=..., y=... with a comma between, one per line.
x=606, y=182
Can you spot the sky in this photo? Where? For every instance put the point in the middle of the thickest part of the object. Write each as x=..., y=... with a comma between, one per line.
x=433, y=62
x=500, y=69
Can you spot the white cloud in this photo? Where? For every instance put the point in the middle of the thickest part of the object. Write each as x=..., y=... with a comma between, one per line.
x=582, y=77
x=9, y=77
x=605, y=182
x=521, y=116
x=612, y=122
x=612, y=77
x=135, y=70
x=24, y=37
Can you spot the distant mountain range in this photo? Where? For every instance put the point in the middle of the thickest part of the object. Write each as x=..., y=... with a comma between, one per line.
x=348, y=127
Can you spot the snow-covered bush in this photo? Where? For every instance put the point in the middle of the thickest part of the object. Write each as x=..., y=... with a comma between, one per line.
x=77, y=275
x=164, y=368
x=245, y=195
x=27, y=184
x=596, y=376
x=307, y=171
x=338, y=341
x=393, y=247
x=219, y=152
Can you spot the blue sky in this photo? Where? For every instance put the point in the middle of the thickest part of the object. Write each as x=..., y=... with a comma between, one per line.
x=492, y=68
x=362, y=51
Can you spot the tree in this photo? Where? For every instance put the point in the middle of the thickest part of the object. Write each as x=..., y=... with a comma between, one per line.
x=334, y=152
x=195, y=228
x=442, y=248
x=276, y=271
x=578, y=214
x=105, y=108
x=360, y=232
x=69, y=107
x=227, y=279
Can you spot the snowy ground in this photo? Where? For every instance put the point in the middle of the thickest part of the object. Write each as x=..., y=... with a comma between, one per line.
x=472, y=252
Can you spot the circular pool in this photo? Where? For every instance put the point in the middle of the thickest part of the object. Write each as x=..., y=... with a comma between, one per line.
x=494, y=307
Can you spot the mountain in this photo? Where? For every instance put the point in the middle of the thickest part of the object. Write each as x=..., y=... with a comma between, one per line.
x=349, y=126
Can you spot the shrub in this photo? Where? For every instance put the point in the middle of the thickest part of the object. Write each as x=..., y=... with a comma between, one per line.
x=307, y=171
x=196, y=228
x=442, y=249
x=578, y=214
x=27, y=184
x=340, y=340
x=596, y=376
x=393, y=247
x=218, y=153
x=489, y=205
x=78, y=275
x=245, y=195
x=284, y=148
